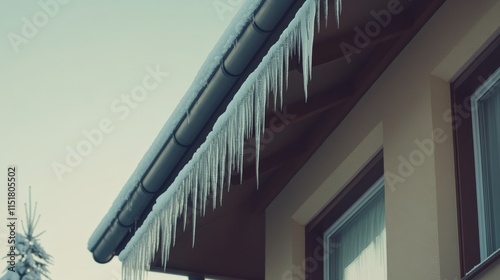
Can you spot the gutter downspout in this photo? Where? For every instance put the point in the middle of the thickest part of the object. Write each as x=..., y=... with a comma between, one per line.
x=219, y=86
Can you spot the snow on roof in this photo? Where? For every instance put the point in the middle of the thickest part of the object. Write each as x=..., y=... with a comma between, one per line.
x=212, y=164
x=211, y=64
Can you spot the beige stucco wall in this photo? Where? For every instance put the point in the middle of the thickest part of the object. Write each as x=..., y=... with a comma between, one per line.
x=405, y=105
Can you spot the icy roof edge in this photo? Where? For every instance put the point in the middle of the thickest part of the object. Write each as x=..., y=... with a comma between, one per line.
x=222, y=152
x=213, y=61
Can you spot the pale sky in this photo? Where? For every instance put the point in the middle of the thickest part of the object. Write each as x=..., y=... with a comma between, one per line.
x=64, y=69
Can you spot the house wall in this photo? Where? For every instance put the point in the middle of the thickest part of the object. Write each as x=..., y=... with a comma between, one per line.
x=409, y=104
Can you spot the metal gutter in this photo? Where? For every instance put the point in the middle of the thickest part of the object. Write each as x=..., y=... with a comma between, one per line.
x=187, y=136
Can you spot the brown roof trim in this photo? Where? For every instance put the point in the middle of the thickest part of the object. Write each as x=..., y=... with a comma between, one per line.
x=382, y=57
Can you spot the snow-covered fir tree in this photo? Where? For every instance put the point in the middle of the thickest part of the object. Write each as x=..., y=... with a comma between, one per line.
x=32, y=260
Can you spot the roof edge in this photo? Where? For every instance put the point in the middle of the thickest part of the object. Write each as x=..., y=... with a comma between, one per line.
x=146, y=181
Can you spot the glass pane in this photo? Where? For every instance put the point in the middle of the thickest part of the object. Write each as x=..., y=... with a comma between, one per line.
x=359, y=246
x=489, y=173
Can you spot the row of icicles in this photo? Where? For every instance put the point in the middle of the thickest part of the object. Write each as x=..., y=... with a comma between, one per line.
x=222, y=153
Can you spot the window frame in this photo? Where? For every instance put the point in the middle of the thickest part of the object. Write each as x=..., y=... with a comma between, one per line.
x=345, y=199
x=476, y=98
x=462, y=88
x=376, y=189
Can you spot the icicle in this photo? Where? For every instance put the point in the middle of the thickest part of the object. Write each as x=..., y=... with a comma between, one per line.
x=165, y=228
x=222, y=154
x=194, y=203
x=318, y=19
x=279, y=65
x=287, y=62
x=259, y=123
x=185, y=199
x=172, y=225
x=214, y=163
x=338, y=10
x=230, y=154
x=222, y=163
x=203, y=185
x=325, y=8
x=241, y=119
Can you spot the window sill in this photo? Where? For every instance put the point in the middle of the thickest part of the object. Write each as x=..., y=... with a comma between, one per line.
x=483, y=266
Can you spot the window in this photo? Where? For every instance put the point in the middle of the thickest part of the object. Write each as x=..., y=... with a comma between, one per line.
x=486, y=137
x=347, y=239
x=356, y=242
x=476, y=124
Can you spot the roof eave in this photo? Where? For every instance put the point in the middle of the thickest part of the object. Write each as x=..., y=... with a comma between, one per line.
x=189, y=132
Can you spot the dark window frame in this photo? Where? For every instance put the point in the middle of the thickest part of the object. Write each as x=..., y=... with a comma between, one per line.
x=314, y=250
x=482, y=67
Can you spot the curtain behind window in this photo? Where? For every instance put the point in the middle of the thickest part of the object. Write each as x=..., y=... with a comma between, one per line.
x=359, y=246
